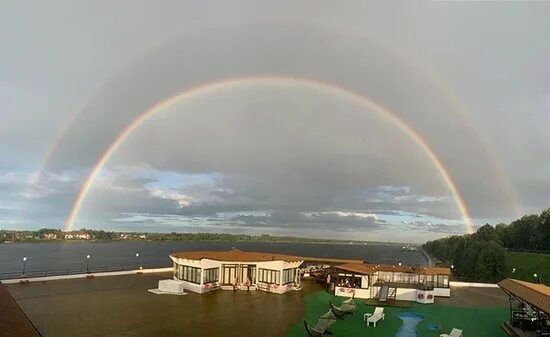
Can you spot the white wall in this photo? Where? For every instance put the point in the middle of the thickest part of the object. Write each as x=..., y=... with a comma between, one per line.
x=442, y=292
x=207, y=264
x=404, y=294
x=348, y=292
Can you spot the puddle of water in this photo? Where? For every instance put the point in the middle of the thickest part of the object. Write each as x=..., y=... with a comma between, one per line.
x=408, y=328
x=432, y=327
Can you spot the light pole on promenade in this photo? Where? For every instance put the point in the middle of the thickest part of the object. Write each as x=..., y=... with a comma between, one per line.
x=88, y=263
x=24, y=265
x=137, y=261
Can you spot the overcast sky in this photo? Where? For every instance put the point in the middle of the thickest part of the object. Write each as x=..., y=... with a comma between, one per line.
x=275, y=156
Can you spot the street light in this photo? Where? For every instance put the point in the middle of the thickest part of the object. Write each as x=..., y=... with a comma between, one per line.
x=137, y=261
x=537, y=277
x=24, y=265
x=513, y=270
x=88, y=263
x=399, y=264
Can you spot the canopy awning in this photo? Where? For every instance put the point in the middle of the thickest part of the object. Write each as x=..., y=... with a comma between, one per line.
x=536, y=295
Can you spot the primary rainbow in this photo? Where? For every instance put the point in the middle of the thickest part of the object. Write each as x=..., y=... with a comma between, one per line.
x=258, y=80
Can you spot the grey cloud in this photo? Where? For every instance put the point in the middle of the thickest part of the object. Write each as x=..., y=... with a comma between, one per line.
x=288, y=150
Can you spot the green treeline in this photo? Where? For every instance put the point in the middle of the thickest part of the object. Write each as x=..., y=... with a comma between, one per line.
x=49, y=234
x=481, y=256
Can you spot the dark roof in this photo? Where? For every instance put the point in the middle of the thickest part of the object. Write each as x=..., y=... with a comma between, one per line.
x=235, y=255
x=369, y=269
x=13, y=321
x=537, y=295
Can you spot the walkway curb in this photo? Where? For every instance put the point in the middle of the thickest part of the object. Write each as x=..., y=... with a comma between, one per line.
x=473, y=284
x=78, y=276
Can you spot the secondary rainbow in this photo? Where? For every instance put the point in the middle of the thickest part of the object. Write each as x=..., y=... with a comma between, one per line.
x=267, y=80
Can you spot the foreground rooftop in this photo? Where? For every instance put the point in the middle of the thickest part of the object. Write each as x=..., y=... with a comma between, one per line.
x=121, y=305
x=234, y=255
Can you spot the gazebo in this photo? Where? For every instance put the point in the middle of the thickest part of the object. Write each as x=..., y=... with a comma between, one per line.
x=529, y=308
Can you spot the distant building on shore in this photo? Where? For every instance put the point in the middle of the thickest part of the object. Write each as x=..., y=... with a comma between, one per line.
x=205, y=271
x=77, y=236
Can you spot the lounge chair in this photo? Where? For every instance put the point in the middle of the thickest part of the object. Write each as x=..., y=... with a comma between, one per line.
x=347, y=307
x=321, y=328
x=377, y=315
x=454, y=333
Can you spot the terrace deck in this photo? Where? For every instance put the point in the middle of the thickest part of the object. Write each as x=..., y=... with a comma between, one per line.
x=121, y=305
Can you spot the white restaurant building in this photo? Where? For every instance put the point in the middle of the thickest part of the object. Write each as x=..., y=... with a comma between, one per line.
x=204, y=271
x=393, y=282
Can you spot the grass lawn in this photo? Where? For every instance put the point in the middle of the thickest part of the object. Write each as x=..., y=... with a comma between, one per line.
x=527, y=264
x=475, y=322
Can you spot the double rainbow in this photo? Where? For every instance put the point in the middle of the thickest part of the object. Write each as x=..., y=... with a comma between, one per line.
x=229, y=84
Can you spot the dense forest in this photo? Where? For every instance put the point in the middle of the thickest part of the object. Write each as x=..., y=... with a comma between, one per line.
x=481, y=256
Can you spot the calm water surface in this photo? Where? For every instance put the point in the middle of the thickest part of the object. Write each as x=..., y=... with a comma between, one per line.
x=70, y=257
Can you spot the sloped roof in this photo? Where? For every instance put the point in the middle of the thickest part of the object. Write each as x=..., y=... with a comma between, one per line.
x=360, y=268
x=435, y=271
x=13, y=321
x=369, y=269
x=234, y=255
x=537, y=295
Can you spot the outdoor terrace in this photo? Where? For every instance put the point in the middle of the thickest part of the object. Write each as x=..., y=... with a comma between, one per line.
x=121, y=305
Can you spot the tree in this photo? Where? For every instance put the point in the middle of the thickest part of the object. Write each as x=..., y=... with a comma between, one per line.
x=523, y=232
x=487, y=233
x=544, y=230
x=502, y=230
x=491, y=263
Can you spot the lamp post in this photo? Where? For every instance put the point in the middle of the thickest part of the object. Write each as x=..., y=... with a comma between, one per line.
x=452, y=269
x=24, y=265
x=88, y=263
x=137, y=261
x=399, y=264
x=537, y=277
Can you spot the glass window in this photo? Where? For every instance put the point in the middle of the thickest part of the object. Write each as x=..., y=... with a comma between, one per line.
x=289, y=275
x=269, y=276
x=211, y=275
x=189, y=274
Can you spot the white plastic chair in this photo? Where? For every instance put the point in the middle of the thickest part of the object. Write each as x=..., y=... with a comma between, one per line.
x=377, y=315
x=454, y=333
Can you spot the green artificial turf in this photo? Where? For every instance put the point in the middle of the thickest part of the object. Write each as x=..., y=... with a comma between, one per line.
x=475, y=322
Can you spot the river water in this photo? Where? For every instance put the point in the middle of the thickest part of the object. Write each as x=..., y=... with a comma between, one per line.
x=56, y=258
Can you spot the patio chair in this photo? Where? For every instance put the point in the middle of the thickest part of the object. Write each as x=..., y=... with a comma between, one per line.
x=377, y=315
x=347, y=307
x=454, y=333
x=321, y=328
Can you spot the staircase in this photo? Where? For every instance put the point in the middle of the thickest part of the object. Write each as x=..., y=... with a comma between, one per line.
x=383, y=293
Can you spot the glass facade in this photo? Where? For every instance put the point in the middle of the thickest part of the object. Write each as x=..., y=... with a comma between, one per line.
x=289, y=275
x=211, y=275
x=269, y=276
x=189, y=274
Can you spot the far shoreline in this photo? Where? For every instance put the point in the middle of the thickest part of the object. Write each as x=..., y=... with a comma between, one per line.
x=343, y=243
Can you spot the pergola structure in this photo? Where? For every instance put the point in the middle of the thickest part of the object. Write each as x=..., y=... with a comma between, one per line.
x=532, y=312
